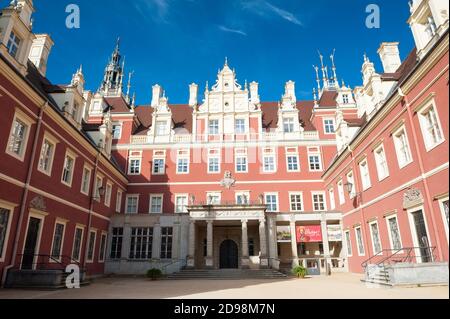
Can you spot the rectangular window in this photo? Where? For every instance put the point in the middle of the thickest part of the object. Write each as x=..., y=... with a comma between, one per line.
x=159, y=166
x=314, y=162
x=443, y=204
x=101, y=256
x=166, y=242
x=430, y=126
x=183, y=166
x=332, y=200
x=98, y=184
x=341, y=193
x=161, y=128
x=18, y=138
x=58, y=237
x=376, y=242
x=213, y=198
x=119, y=202
x=242, y=198
x=240, y=126
x=345, y=98
x=181, y=203
x=117, y=131
x=272, y=202
x=13, y=44
x=269, y=164
x=4, y=221
x=241, y=164
x=329, y=126
x=156, y=202
x=351, y=180
x=108, y=193
x=292, y=163
x=91, y=246
x=213, y=165
x=288, y=125
x=116, y=243
x=381, y=163
x=318, y=201
x=213, y=127
x=67, y=174
x=132, y=204
x=46, y=156
x=141, y=243
x=359, y=241
x=296, y=202
x=85, y=180
x=77, y=240
x=394, y=233
x=134, y=168
x=365, y=175
x=402, y=147
x=349, y=243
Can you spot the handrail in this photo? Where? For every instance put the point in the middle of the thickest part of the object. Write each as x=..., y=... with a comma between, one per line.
x=164, y=267
x=406, y=251
x=52, y=260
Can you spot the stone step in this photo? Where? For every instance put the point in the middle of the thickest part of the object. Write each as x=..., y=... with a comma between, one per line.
x=227, y=274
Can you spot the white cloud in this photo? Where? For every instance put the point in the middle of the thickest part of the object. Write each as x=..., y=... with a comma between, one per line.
x=226, y=29
x=156, y=9
x=265, y=8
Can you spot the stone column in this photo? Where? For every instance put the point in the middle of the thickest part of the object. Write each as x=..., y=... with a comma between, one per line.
x=263, y=262
x=273, y=249
x=294, y=244
x=191, y=248
x=326, y=246
x=156, y=245
x=245, y=261
x=126, y=241
x=176, y=240
x=209, y=262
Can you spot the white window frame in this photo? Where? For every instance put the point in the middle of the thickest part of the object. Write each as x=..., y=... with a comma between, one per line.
x=91, y=260
x=128, y=196
x=396, y=141
x=119, y=195
x=28, y=122
x=391, y=242
x=244, y=127
x=324, y=197
x=12, y=43
x=158, y=126
x=429, y=144
x=444, y=219
x=380, y=167
x=185, y=156
x=157, y=156
x=97, y=185
x=10, y=208
x=357, y=241
x=74, y=158
x=288, y=155
x=134, y=158
x=177, y=196
x=325, y=125
x=102, y=235
x=341, y=192
x=53, y=141
x=88, y=182
x=269, y=153
x=413, y=229
x=375, y=222
x=348, y=242
x=291, y=124
x=240, y=153
x=243, y=194
x=365, y=175
x=108, y=195
x=120, y=125
x=215, y=194
x=150, y=206
x=332, y=198
x=319, y=156
x=209, y=127
x=351, y=179
x=61, y=248
x=302, y=204
x=81, y=243
x=277, y=201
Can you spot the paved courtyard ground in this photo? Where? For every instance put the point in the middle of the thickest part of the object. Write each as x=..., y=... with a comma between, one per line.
x=343, y=285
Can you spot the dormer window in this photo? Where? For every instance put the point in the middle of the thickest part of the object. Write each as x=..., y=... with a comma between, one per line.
x=161, y=128
x=431, y=27
x=75, y=109
x=345, y=98
x=13, y=44
x=288, y=125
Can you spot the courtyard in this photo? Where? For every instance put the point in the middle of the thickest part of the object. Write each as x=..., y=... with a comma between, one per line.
x=337, y=286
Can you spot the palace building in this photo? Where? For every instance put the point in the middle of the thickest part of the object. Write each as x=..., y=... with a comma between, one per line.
x=354, y=177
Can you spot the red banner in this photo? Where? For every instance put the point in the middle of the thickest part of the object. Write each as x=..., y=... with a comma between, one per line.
x=309, y=234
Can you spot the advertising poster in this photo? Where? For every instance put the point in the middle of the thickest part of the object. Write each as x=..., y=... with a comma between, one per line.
x=309, y=234
x=284, y=234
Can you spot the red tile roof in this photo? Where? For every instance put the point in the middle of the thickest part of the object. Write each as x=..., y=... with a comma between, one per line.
x=117, y=104
x=328, y=98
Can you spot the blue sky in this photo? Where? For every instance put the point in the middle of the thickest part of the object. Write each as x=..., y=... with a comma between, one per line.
x=177, y=42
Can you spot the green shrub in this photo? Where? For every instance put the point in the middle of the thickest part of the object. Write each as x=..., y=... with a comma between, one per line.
x=154, y=273
x=299, y=271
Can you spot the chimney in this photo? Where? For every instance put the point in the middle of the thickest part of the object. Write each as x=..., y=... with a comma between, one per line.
x=290, y=91
x=254, y=96
x=193, y=94
x=157, y=93
x=390, y=56
x=40, y=50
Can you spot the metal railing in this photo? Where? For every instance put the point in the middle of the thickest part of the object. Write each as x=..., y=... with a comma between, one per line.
x=176, y=261
x=228, y=203
x=44, y=262
x=407, y=254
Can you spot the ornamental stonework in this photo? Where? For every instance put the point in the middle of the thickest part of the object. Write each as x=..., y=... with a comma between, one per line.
x=412, y=197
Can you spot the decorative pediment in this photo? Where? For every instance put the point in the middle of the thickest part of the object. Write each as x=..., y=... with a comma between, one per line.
x=412, y=197
x=228, y=181
x=38, y=203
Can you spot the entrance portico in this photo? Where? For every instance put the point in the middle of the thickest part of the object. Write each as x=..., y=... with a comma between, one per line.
x=227, y=236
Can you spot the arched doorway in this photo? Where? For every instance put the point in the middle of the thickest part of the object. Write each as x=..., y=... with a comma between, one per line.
x=228, y=254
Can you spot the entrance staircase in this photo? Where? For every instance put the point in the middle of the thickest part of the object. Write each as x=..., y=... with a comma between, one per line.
x=377, y=274
x=227, y=274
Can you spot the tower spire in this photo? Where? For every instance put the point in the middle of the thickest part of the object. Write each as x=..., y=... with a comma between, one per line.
x=324, y=71
x=316, y=68
x=113, y=77
x=335, y=79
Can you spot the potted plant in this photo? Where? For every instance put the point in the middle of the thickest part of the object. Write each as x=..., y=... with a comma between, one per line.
x=299, y=271
x=154, y=274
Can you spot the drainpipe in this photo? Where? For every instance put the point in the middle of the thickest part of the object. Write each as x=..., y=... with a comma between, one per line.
x=25, y=194
x=422, y=171
x=91, y=208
